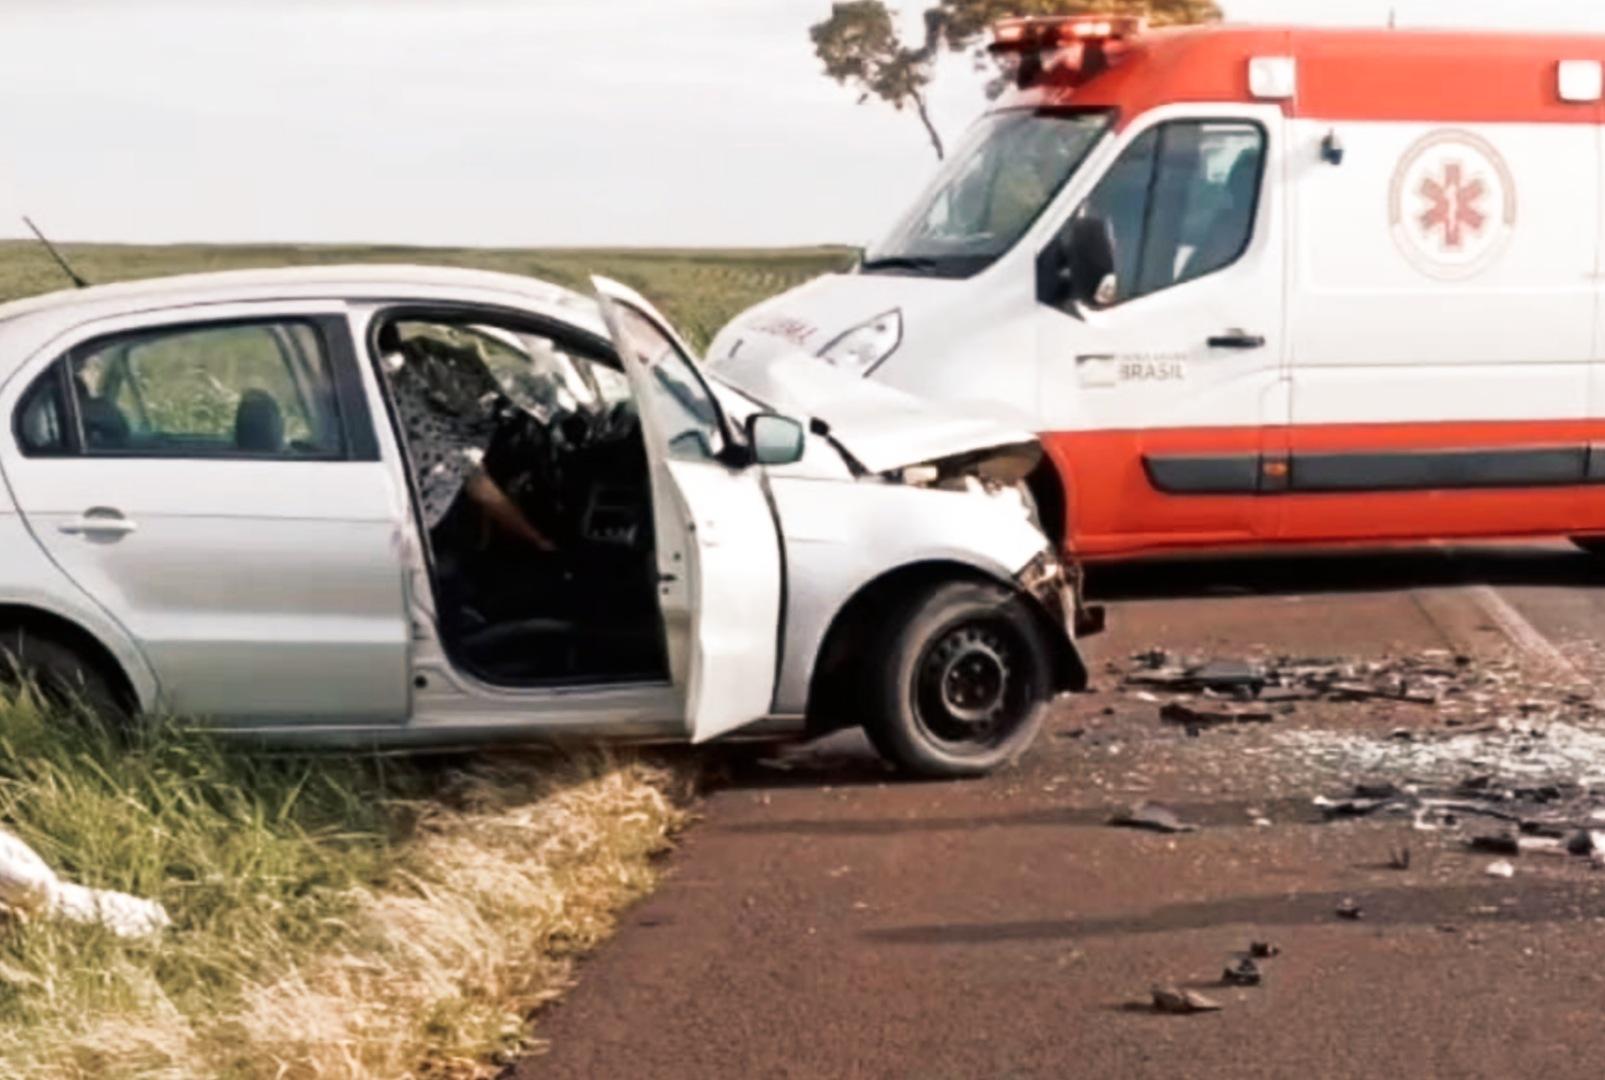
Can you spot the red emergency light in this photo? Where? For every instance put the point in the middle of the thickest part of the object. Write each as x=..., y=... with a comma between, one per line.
x=1063, y=49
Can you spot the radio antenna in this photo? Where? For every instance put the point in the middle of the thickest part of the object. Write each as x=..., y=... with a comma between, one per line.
x=66, y=267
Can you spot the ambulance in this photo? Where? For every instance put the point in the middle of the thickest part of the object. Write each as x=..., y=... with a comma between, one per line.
x=1259, y=286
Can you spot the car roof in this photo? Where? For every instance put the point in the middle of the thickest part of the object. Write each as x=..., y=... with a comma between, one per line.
x=32, y=322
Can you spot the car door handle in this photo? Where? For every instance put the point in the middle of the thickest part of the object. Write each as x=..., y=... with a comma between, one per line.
x=99, y=522
x=1237, y=339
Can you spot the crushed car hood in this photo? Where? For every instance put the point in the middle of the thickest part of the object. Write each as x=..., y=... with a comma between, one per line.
x=883, y=428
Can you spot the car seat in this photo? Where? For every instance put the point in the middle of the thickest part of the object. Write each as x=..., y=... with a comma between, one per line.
x=1229, y=231
x=258, y=424
x=105, y=426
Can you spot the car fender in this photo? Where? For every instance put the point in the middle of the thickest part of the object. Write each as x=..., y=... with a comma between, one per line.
x=842, y=537
x=30, y=581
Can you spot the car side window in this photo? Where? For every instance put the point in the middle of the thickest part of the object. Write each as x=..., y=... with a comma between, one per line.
x=255, y=390
x=1180, y=203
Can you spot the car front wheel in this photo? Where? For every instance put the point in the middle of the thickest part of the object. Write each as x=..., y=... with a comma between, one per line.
x=959, y=683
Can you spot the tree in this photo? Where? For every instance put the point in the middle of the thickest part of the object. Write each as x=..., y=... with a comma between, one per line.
x=861, y=48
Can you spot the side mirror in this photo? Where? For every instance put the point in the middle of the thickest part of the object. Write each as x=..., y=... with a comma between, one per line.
x=1090, y=255
x=774, y=439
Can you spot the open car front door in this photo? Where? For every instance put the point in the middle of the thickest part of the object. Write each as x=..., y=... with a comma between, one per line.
x=718, y=546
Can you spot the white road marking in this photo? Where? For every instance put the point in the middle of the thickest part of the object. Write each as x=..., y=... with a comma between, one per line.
x=1522, y=634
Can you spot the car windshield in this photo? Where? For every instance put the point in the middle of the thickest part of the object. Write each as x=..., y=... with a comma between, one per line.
x=999, y=181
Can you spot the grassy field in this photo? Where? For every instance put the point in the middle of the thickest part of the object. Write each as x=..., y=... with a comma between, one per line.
x=343, y=916
x=699, y=290
x=334, y=916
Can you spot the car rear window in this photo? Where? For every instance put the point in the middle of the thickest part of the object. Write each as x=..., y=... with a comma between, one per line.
x=256, y=390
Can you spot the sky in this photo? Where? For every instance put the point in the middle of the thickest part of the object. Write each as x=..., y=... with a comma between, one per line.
x=491, y=122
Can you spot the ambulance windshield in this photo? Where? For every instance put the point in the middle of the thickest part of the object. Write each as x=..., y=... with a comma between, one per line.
x=988, y=193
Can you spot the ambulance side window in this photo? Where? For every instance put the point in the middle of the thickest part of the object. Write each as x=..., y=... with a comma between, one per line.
x=1180, y=203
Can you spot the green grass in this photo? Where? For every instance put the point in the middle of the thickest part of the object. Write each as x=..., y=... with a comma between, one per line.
x=340, y=915
x=700, y=290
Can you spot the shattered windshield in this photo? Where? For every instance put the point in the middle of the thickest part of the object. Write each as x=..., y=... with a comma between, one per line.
x=989, y=192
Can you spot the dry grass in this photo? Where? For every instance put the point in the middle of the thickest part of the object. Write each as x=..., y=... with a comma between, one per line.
x=334, y=916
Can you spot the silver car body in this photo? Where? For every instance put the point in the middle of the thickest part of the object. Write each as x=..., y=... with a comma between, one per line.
x=292, y=597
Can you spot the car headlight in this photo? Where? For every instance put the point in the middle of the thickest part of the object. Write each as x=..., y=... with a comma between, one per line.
x=862, y=348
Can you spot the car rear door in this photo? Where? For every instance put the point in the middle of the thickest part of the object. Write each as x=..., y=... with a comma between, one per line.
x=218, y=490
x=718, y=545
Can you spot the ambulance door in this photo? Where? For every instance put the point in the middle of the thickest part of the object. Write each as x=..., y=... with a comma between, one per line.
x=1442, y=327
x=1169, y=379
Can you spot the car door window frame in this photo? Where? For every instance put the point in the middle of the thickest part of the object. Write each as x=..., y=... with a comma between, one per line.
x=56, y=373
x=727, y=439
x=348, y=402
x=1157, y=130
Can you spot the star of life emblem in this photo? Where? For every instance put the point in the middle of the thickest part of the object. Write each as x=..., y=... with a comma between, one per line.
x=1452, y=205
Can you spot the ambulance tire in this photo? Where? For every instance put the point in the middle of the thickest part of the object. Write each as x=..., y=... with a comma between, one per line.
x=66, y=680
x=1594, y=545
x=960, y=681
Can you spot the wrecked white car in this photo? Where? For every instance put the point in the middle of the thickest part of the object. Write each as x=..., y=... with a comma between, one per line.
x=426, y=506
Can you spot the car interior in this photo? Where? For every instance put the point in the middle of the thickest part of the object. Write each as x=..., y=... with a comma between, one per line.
x=552, y=423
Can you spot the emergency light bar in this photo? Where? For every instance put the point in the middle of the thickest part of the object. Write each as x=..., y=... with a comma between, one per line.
x=1040, y=33
x=1070, y=49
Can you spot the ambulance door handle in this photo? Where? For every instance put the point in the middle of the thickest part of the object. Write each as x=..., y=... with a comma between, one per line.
x=1237, y=339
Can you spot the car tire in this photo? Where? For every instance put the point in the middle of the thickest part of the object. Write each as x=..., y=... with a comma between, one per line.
x=61, y=674
x=958, y=682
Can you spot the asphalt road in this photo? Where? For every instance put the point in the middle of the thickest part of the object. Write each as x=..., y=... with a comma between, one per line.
x=825, y=921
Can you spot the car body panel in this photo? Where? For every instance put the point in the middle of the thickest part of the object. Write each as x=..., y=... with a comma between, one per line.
x=841, y=538
x=31, y=582
x=260, y=591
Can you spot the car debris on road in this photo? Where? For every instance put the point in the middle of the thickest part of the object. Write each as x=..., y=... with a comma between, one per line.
x=1244, y=973
x=1194, y=718
x=1180, y=1001
x=1153, y=817
x=1204, y=692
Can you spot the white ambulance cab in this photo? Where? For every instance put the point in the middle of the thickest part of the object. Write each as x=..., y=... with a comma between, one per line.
x=1259, y=286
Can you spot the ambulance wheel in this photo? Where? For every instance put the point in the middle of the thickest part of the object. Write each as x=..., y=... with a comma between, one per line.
x=1594, y=545
x=959, y=683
